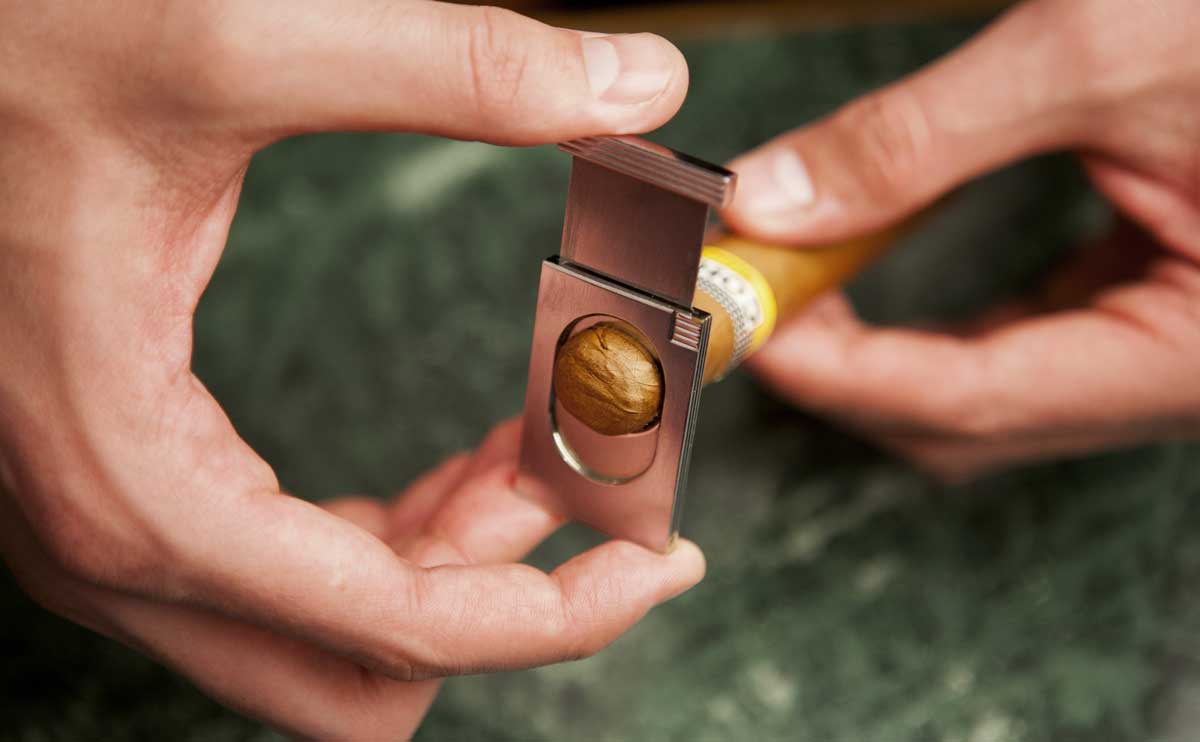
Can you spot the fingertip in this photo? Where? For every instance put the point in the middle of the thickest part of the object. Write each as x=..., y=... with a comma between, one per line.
x=452, y=464
x=500, y=446
x=618, y=582
x=637, y=81
x=814, y=340
x=421, y=498
x=442, y=476
x=689, y=563
x=675, y=92
x=779, y=196
x=773, y=370
x=808, y=360
x=504, y=436
x=772, y=380
x=489, y=521
x=775, y=182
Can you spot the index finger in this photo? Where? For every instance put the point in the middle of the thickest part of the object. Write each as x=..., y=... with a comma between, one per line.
x=1126, y=362
x=440, y=68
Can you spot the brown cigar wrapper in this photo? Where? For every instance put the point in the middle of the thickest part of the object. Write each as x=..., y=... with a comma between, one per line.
x=796, y=275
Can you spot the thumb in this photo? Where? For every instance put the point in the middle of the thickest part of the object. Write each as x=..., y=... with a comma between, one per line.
x=439, y=68
x=1014, y=90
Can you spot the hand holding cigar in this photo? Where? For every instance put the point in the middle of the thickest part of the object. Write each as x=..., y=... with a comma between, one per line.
x=1106, y=354
x=608, y=379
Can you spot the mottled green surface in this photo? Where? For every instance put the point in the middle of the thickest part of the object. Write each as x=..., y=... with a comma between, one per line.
x=373, y=313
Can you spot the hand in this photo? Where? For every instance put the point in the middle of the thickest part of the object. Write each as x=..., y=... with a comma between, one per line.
x=1110, y=354
x=352, y=628
x=129, y=503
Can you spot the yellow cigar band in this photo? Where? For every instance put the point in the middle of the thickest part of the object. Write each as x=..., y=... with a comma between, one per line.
x=742, y=291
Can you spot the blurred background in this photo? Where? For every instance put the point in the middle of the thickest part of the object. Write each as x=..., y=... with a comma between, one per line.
x=372, y=315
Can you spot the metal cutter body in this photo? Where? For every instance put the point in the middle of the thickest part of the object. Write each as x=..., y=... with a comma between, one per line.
x=632, y=238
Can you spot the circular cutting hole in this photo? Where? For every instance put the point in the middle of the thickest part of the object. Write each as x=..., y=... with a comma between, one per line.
x=601, y=457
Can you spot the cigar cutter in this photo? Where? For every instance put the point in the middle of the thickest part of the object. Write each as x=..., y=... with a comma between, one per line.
x=634, y=227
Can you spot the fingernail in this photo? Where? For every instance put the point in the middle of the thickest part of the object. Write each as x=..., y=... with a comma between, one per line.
x=627, y=68
x=776, y=183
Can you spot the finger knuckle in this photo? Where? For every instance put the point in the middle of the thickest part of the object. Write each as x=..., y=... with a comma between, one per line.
x=892, y=133
x=578, y=624
x=498, y=56
x=571, y=641
x=411, y=656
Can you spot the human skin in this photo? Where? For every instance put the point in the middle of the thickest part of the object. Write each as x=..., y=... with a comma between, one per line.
x=128, y=503
x=1109, y=354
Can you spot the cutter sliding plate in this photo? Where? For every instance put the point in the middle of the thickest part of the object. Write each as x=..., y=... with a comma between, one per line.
x=634, y=229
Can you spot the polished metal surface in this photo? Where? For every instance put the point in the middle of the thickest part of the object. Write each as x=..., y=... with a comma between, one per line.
x=643, y=509
x=659, y=166
x=636, y=212
x=634, y=227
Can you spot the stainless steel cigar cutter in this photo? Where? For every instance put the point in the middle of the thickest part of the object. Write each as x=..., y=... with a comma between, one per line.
x=635, y=221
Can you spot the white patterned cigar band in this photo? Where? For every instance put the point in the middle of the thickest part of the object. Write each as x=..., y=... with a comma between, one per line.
x=737, y=297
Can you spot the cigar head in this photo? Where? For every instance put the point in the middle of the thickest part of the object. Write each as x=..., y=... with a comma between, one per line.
x=606, y=377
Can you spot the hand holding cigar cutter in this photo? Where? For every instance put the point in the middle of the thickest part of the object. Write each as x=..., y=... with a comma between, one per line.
x=634, y=315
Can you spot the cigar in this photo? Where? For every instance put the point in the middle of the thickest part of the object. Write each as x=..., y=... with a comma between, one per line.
x=607, y=377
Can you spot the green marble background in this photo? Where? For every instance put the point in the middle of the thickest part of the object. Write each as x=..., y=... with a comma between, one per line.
x=373, y=313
